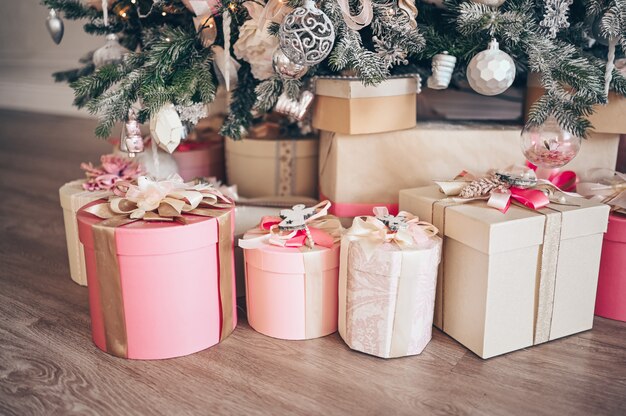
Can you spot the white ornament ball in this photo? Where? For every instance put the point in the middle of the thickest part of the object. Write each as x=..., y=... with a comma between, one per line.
x=166, y=128
x=492, y=71
x=307, y=35
x=491, y=3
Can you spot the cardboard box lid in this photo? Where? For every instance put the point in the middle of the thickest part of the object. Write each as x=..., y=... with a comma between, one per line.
x=354, y=88
x=490, y=231
x=262, y=148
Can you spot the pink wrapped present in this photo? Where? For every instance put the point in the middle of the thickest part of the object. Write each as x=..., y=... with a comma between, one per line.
x=387, y=284
x=161, y=281
x=292, y=268
x=609, y=187
x=611, y=296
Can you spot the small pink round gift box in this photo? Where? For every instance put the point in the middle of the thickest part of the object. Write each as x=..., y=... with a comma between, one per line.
x=200, y=160
x=611, y=296
x=290, y=296
x=167, y=298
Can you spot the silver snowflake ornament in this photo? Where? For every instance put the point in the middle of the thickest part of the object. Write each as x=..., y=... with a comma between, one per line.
x=556, y=16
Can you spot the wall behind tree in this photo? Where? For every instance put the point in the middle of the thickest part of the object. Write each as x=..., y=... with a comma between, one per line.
x=28, y=57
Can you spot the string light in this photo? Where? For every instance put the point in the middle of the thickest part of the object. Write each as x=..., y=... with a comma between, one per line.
x=232, y=7
x=163, y=14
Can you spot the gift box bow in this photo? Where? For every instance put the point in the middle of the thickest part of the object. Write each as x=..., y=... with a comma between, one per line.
x=406, y=230
x=609, y=189
x=166, y=200
x=499, y=189
x=296, y=227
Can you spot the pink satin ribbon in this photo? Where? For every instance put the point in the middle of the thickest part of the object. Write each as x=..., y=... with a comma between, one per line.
x=297, y=238
x=565, y=180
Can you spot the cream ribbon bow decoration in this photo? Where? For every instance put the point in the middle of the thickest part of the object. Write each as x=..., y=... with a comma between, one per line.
x=607, y=186
x=167, y=200
x=405, y=230
x=358, y=21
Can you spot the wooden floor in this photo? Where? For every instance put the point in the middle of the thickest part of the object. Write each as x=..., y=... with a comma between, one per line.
x=48, y=364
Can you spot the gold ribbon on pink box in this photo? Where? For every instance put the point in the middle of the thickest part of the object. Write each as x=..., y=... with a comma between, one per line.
x=406, y=232
x=312, y=231
x=150, y=200
x=606, y=186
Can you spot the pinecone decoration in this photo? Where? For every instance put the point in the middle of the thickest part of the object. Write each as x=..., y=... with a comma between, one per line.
x=483, y=187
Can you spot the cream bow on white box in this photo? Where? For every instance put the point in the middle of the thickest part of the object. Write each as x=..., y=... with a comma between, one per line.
x=606, y=186
x=371, y=232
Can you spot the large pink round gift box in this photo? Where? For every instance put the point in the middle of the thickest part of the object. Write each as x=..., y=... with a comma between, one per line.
x=171, y=299
x=283, y=300
x=611, y=297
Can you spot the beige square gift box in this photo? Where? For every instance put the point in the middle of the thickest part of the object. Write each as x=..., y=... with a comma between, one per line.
x=73, y=197
x=364, y=171
x=509, y=281
x=345, y=105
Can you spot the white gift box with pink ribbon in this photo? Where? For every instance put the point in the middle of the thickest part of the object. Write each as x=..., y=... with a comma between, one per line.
x=512, y=280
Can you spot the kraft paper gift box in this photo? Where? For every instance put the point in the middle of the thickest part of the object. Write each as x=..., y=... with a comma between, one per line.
x=358, y=173
x=510, y=281
x=345, y=105
x=607, y=118
x=265, y=167
x=387, y=287
x=291, y=290
x=159, y=289
x=73, y=197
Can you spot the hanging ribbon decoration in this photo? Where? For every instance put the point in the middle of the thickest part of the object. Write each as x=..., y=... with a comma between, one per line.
x=225, y=66
x=361, y=20
x=408, y=7
x=105, y=12
x=274, y=11
x=610, y=189
x=610, y=65
x=297, y=227
x=226, y=58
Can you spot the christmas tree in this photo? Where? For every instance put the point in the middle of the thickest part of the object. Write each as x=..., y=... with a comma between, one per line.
x=177, y=52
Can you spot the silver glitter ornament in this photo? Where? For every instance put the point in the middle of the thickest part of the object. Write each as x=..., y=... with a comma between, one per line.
x=307, y=35
x=111, y=53
x=285, y=67
x=55, y=26
x=132, y=140
x=492, y=71
x=490, y=3
x=555, y=16
x=296, y=109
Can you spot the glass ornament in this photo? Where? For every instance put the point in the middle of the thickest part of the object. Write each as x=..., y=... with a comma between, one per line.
x=285, y=67
x=548, y=145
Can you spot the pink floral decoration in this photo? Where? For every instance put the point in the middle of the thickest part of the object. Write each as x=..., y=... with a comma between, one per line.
x=113, y=168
